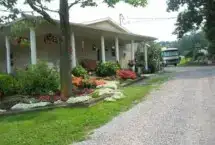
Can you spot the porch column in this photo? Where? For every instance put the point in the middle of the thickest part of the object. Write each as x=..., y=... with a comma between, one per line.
x=7, y=45
x=73, y=50
x=103, y=48
x=146, y=57
x=117, y=48
x=132, y=52
x=33, y=46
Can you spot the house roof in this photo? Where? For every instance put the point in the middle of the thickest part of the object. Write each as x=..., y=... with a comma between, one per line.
x=89, y=27
x=108, y=20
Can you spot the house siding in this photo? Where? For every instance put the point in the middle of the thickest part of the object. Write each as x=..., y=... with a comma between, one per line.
x=51, y=53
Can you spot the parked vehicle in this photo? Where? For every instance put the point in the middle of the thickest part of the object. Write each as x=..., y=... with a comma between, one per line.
x=170, y=56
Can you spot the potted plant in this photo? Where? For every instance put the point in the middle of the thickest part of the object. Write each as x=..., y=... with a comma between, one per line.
x=131, y=63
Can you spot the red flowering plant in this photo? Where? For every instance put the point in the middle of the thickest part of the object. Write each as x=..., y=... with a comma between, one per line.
x=85, y=86
x=126, y=74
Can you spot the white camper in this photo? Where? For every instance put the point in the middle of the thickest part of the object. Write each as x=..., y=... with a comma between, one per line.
x=170, y=56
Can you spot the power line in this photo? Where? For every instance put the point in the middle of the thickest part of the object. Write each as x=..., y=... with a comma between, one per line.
x=130, y=20
x=167, y=18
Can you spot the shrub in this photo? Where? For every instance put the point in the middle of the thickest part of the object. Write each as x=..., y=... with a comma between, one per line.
x=79, y=71
x=107, y=69
x=86, y=83
x=126, y=74
x=7, y=85
x=37, y=80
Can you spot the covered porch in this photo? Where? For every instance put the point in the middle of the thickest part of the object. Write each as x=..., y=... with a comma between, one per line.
x=87, y=43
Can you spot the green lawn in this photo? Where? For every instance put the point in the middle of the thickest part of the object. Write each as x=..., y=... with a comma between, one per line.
x=158, y=79
x=64, y=126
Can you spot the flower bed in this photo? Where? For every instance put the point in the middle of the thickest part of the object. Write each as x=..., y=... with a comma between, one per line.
x=126, y=74
x=79, y=82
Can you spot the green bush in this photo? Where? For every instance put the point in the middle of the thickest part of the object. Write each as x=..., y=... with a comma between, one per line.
x=79, y=71
x=7, y=85
x=185, y=61
x=107, y=69
x=37, y=79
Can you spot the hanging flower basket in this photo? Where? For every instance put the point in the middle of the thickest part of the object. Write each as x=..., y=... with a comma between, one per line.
x=131, y=63
x=24, y=44
x=21, y=41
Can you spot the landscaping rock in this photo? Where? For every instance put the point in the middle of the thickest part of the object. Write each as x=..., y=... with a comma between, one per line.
x=10, y=101
x=117, y=95
x=23, y=106
x=105, y=91
x=110, y=99
x=28, y=100
x=109, y=84
x=58, y=102
x=2, y=111
x=79, y=99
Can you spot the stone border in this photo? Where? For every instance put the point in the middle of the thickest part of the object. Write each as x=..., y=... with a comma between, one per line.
x=85, y=104
x=132, y=82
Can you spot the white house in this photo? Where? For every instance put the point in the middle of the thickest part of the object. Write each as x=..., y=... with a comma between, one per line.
x=99, y=40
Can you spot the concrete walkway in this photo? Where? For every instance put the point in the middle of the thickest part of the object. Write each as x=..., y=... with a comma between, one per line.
x=182, y=112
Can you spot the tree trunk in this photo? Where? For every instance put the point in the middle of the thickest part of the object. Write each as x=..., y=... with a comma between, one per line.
x=65, y=61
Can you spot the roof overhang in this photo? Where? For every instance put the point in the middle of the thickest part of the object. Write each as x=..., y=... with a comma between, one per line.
x=85, y=29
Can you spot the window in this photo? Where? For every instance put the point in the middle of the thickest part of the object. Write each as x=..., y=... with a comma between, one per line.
x=170, y=53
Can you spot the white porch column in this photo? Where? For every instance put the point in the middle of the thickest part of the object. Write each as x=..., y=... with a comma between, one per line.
x=146, y=57
x=117, y=48
x=103, y=48
x=7, y=45
x=33, y=46
x=132, y=53
x=73, y=50
x=132, y=49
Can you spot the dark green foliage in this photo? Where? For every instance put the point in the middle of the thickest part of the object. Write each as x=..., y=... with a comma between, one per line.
x=154, y=57
x=188, y=43
x=12, y=10
x=79, y=71
x=37, y=79
x=197, y=13
x=87, y=84
x=7, y=84
x=107, y=69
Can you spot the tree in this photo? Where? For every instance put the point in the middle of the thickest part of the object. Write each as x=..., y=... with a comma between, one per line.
x=154, y=56
x=39, y=6
x=197, y=13
x=188, y=42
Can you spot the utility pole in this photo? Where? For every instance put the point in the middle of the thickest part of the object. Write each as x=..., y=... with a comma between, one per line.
x=121, y=18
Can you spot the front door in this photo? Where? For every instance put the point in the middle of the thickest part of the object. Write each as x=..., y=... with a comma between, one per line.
x=98, y=55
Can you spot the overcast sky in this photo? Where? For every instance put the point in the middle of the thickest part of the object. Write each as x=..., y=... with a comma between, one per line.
x=161, y=29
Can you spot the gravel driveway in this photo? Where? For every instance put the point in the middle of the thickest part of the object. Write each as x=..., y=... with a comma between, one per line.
x=181, y=112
